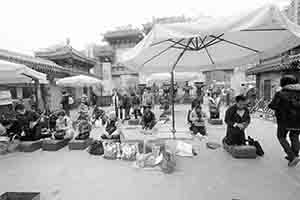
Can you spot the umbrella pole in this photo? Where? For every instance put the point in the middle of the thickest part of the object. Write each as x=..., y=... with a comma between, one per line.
x=173, y=104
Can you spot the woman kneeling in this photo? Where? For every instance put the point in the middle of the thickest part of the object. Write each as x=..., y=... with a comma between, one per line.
x=63, y=127
x=112, y=129
x=197, y=121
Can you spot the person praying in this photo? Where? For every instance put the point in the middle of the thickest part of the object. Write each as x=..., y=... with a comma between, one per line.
x=237, y=118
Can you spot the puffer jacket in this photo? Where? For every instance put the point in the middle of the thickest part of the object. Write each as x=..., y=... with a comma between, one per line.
x=286, y=104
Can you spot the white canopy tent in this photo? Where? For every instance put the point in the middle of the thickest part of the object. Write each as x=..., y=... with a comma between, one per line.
x=79, y=81
x=166, y=77
x=11, y=73
x=213, y=44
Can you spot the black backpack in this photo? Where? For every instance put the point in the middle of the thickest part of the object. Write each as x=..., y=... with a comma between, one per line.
x=256, y=144
x=96, y=148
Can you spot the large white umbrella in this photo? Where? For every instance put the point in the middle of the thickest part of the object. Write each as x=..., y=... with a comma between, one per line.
x=198, y=46
x=79, y=81
x=11, y=73
x=216, y=43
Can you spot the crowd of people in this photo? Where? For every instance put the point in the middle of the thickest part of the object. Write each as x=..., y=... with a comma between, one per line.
x=29, y=125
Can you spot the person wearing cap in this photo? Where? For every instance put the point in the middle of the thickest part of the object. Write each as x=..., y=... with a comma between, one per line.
x=197, y=118
x=148, y=119
x=112, y=129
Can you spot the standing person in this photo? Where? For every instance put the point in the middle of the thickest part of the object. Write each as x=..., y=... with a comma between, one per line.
x=135, y=101
x=237, y=118
x=126, y=106
x=286, y=104
x=116, y=103
x=214, y=106
x=148, y=98
x=65, y=103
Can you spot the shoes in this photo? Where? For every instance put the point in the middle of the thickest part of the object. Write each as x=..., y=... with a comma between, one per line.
x=294, y=162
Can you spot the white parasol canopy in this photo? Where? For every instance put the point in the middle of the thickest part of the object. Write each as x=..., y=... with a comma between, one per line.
x=79, y=81
x=11, y=73
x=215, y=43
x=166, y=77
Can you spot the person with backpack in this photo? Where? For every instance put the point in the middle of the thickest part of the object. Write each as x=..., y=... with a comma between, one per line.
x=286, y=104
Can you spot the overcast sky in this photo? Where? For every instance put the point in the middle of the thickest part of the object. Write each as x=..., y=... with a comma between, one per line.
x=27, y=25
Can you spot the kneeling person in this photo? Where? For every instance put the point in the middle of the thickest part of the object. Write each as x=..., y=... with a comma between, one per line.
x=112, y=128
x=237, y=118
x=197, y=121
x=84, y=129
x=148, y=119
x=63, y=127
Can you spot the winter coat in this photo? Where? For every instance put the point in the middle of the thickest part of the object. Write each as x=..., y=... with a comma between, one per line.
x=286, y=104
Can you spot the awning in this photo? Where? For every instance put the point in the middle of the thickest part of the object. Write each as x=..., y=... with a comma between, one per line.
x=79, y=81
x=11, y=73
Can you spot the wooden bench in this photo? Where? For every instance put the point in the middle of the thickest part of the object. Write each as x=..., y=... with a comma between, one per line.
x=80, y=144
x=30, y=146
x=55, y=145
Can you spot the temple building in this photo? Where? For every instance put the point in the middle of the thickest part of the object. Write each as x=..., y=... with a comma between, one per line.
x=118, y=41
x=269, y=71
x=71, y=60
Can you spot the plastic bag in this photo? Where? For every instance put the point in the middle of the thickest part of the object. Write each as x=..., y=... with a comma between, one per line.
x=168, y=162
x=111, y=150
x=96, y=148
x=129, y=151
x=184, y=149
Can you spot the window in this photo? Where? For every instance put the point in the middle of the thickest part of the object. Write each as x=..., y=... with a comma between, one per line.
x=13, y=92
x=28, y=92
x=267, y=90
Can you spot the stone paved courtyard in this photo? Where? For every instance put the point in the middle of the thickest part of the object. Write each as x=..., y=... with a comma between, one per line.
x=211, y=175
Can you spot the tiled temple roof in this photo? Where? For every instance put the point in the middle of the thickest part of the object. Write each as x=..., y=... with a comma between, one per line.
x=278, y=64
x=64, y=51
x=38, y=64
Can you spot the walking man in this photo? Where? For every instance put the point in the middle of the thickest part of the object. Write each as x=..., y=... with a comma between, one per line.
x=286, y=104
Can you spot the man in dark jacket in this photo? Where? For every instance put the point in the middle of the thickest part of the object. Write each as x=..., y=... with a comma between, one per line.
x=29, y=123
x=237, y=118
x=286, y=104
x=127, y=106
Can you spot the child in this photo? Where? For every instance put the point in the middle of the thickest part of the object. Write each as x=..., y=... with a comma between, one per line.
x=197, y=121
x=64, y=127
x=148, y=118
x=112, y=128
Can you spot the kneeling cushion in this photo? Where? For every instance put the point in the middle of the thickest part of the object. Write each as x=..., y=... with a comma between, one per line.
x=30, y=146
x=80, y=144
x=215, y=121
x=55, y=145
x=242, y=151
x=133, y=122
